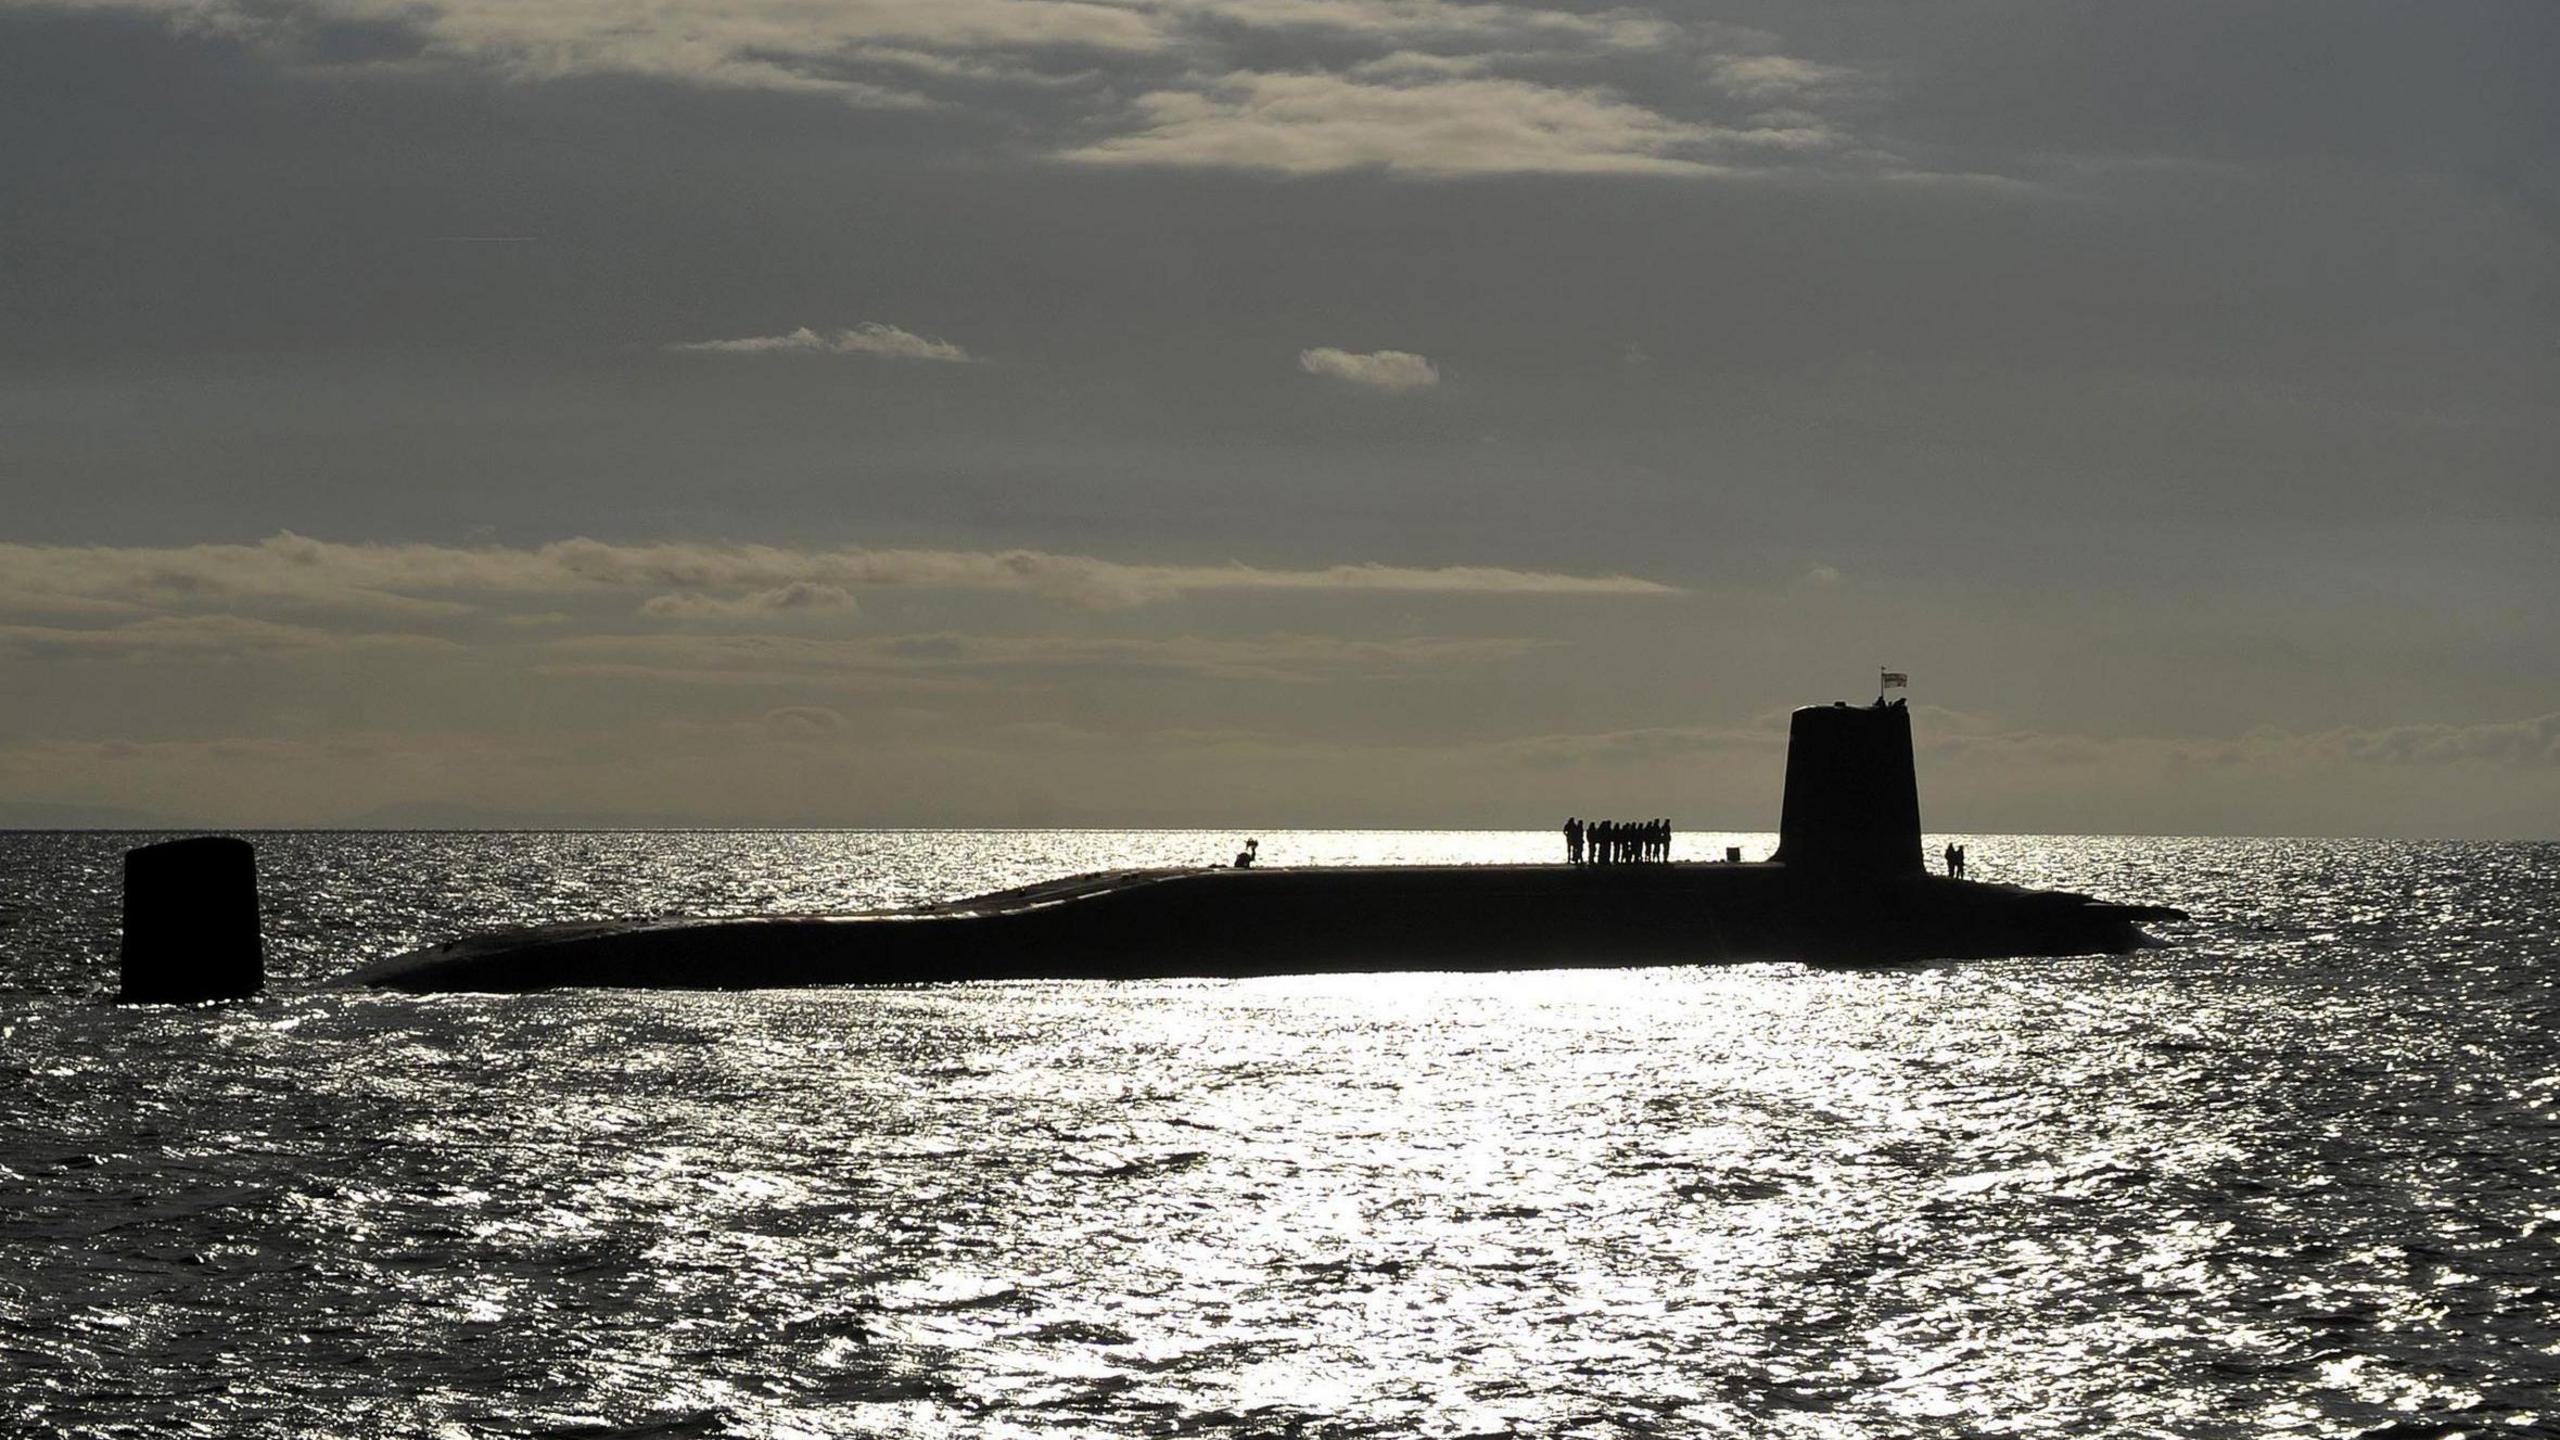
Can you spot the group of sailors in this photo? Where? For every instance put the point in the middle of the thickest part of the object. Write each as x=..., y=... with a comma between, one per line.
x=1616, y=842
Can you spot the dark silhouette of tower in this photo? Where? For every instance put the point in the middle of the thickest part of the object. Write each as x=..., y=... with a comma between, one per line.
x=1853, y=802
x=191, y=922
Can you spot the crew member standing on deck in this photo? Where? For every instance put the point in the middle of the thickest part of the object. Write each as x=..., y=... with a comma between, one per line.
x=1572, y=840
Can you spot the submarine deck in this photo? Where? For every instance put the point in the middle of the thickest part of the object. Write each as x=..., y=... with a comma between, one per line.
x=1218, y=922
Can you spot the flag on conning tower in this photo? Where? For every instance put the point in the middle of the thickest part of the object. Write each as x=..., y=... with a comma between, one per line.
x=1893, y=678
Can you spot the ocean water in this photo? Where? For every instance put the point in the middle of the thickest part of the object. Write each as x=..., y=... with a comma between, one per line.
x=2297, y=1174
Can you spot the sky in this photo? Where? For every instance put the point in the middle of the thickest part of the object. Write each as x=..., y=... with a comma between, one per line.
x=1256, y=413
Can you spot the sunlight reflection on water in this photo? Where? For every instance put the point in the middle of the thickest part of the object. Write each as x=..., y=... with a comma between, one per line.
x=2295, y=1175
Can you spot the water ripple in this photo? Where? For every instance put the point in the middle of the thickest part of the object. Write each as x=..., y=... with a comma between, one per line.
x=2293, y=1177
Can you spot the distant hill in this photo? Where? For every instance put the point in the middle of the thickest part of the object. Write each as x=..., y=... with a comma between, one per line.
x=53, y=815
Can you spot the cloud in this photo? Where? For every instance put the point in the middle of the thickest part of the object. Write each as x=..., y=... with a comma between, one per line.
x=1417, y=88
x=804, y=722
x=871, y=337
x=2533, y=743
x=1313, y=123
x=2528, y=744
x=1286, y=658
x=1405, y=66
x=1765, y=78
x=192, y=637
x=1975, y=743
x=296, y=571
x=800, y=597
x=793, y=664
x=778, y=45
x=1508, y=29
x=936, y=660
x=1395, y=370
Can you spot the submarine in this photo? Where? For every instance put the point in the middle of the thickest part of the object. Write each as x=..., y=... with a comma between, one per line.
x=1847, y=885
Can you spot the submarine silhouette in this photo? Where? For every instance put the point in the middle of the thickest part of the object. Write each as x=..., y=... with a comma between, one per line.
x=1847, y=885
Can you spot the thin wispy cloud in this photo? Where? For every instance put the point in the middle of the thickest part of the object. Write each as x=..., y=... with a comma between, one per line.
x=190, y=637
x=1391, y=370
x=1305, y=124
x=861, y=663
x=295, y=570
x=1955, y=740
x=2528, y=744
x=871, y=337
x=1771, y=78
x=799, y=599
x=1447, y=24
x=785, y=46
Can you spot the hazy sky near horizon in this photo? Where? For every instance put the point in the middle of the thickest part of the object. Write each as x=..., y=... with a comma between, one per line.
x=1266, y=412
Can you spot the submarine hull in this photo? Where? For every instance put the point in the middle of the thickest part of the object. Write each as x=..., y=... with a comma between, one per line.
x=1143, y=924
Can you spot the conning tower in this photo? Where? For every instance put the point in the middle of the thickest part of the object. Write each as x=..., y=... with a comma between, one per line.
x=1853, y=801
x=191, y=922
